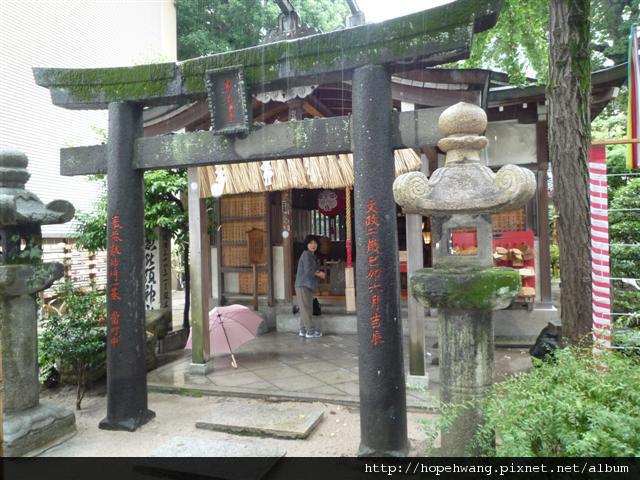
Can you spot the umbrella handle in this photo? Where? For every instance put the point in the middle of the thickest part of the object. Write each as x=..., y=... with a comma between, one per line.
x=233, y=358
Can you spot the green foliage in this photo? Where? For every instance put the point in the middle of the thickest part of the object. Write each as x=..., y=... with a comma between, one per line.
x=32, y=252
x=611, y=20
x=213, y=26
x=568, y=408
x=625, y=225
x=520, y=40
x=163, y=208
x=617, y=165
x=624, y=233
x=562, y=408
x=162, y=205
x=74, y=334
x=554, y=250
x=627, y=340
x=91, y=227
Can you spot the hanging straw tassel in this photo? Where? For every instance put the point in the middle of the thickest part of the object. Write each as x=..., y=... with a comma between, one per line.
x=297, y=173
x=207, y=178
x=255, y=177
x=313, y=175
x=327, y=171
x=280, y=179
x=336, y=178
x=345, y=163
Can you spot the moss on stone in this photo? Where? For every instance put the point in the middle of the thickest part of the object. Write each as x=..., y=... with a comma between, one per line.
x=111, y=84
x=300, y=137
x=62, y=77
x=466, y=289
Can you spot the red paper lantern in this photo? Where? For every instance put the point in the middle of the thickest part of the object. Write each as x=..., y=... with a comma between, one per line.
x=331, y=202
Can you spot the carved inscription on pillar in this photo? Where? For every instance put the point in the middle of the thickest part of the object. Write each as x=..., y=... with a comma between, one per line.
x=114, y=278
x=374, y=268
x=151, y=276
x=157, y=271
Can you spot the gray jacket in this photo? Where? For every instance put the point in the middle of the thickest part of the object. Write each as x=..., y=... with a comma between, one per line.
x=305, y=276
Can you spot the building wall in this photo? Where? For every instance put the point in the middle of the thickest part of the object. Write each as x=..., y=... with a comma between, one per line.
x=511, y=142
x=70, y=33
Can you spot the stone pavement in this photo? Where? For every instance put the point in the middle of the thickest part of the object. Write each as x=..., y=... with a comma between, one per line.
x=280, y=420
x=285, y=366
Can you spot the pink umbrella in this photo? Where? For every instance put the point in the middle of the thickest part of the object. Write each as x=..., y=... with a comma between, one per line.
x=230, y=327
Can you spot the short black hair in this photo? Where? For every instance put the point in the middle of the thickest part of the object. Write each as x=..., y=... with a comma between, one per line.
x=310, y=238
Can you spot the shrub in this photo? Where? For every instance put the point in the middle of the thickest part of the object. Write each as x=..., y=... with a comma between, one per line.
x=624, y=230
x=627, y=340
x=564, y=407
x=74, y=334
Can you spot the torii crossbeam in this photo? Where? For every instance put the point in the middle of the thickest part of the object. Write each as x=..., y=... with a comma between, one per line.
x=367, y=55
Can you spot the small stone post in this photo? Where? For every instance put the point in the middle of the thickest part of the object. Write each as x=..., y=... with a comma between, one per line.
x=383, y=402
x=29, y=426
x=464, y=285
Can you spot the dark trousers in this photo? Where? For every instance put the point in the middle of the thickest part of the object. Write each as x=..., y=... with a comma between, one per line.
x=304, y=297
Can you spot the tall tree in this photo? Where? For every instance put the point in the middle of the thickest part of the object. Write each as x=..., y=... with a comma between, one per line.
x=212, y=26
x=569, y=99
x=519, y=43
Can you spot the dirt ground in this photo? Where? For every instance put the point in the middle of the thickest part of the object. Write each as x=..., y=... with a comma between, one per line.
x=337, y=435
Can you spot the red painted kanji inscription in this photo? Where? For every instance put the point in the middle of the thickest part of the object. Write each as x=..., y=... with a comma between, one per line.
x=374, y=269
x=114, y=278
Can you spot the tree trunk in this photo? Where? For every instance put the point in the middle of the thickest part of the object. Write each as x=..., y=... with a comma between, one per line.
x=81, y=370
x=569, y=98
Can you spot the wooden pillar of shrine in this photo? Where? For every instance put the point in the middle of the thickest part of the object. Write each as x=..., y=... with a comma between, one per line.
x=542, y=197
x=199, y=268
x=415, y=261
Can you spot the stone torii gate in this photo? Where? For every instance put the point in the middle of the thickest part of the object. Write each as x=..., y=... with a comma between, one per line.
x=367, y=55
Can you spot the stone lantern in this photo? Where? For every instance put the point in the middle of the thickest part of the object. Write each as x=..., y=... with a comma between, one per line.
x=463, y=284
x=29, y=426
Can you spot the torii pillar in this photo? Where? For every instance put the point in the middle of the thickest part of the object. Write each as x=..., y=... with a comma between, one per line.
x=382, y=385
x=126, y=332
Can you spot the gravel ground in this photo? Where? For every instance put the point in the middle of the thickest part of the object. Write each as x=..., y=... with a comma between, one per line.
x=337, y=435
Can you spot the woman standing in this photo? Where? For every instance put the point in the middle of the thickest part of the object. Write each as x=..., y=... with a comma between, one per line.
x=306, y=284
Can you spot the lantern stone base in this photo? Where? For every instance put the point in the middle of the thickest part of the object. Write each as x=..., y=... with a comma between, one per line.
x=30, y=432
x=475, y=289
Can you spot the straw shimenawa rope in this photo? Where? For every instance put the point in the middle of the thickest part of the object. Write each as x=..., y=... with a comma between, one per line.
x=326, y=171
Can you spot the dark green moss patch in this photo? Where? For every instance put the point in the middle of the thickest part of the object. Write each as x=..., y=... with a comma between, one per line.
x=466, y=289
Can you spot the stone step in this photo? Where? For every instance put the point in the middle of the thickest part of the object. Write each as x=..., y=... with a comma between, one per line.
x=264, y=419
x=512, y=327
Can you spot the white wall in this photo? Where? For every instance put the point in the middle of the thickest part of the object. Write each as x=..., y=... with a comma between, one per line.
x=70, y=33
x=511, y=142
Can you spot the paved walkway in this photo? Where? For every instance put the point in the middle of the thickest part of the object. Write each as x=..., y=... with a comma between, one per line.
x=288, y=367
